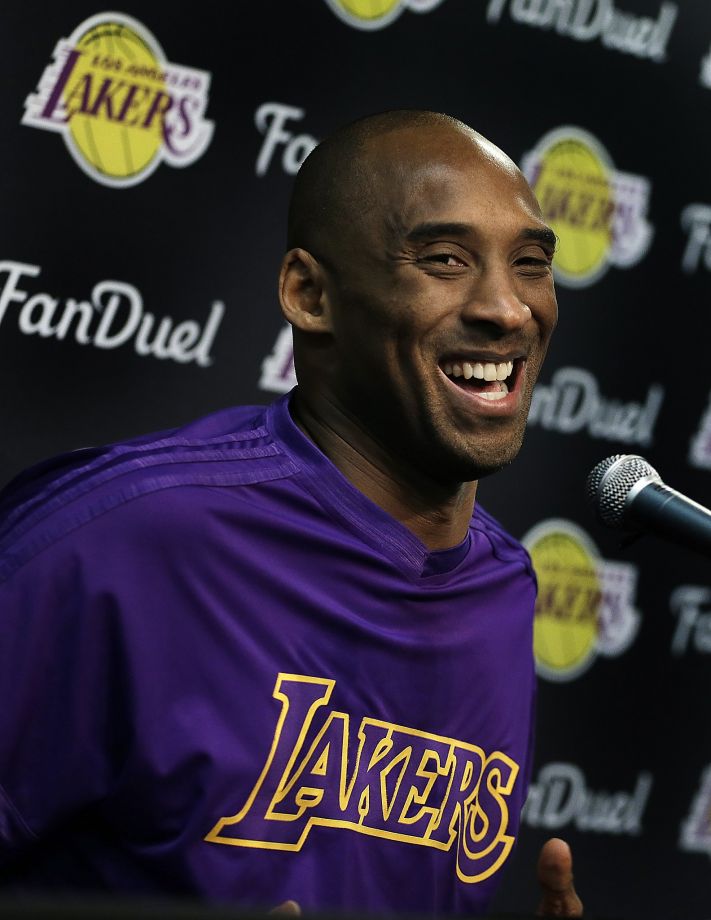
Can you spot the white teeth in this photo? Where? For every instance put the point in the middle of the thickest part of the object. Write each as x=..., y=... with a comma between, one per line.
x=494, y=394
x=488, y=371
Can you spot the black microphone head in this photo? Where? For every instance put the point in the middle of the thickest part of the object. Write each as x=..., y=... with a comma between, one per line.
x=610, y=481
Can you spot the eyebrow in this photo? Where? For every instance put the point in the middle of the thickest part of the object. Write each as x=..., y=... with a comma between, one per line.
x=430, y=229
x=542, y=235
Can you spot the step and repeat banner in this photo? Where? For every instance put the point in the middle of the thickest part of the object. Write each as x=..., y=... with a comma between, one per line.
x=146, y=158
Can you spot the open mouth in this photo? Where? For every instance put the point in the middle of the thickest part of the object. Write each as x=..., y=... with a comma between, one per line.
x=488, y=379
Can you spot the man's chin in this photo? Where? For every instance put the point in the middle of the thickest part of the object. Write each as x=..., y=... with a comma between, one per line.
x=460, y=466
x=484, y=470
x=455, y=470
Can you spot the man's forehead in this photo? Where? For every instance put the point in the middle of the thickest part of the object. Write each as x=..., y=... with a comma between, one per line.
x=411, y=147
x=468, y=200
x=405, y=163
x=439, y=174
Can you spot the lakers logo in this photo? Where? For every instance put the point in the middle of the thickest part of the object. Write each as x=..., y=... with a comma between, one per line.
x=696, y=829
x=394, y=782
x=120, y=105
x=376, y=14
x=598, y=213
x=585, y=603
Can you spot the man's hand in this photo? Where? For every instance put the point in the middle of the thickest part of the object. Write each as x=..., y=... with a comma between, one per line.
x=555, y=876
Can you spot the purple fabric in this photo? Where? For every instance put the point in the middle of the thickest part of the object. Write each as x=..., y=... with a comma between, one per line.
x=227, y=674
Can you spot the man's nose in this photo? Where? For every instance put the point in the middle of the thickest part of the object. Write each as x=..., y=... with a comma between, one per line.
x=494, y=299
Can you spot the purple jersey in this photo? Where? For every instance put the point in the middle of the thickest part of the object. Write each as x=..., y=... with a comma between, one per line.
x=227, y=674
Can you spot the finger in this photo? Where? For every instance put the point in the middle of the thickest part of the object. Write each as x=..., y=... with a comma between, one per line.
x=287, y=908
x=555, y=876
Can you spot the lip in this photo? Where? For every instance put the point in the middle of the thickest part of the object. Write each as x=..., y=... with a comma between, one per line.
x=509, y=405
x=483, y=357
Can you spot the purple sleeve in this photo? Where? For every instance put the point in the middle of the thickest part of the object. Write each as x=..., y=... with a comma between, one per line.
x=58, y=678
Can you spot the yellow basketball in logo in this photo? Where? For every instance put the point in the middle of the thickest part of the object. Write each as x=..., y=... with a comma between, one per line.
x=573, y=184
x=566, y=621
x=113, y=102
x=368, y=9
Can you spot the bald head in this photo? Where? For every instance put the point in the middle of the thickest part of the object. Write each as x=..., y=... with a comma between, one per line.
x=344, y=176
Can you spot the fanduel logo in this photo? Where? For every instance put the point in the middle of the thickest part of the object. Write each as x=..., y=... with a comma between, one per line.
x=589, y=20
x=572, y=402
x=560, y=797
x=696, y=222
x=691, y=605
x=271, y=119
x=113, y=316
x=700, y=445
x=705, y=73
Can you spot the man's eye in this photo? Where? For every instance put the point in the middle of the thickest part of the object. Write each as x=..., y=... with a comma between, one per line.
x=444, y=258
x=534, y=262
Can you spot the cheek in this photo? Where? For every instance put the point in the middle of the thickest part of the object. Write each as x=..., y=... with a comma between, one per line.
x=381, y=361
x=373, y=325
x=544, y=308
x=364, y=348
x=386, y=325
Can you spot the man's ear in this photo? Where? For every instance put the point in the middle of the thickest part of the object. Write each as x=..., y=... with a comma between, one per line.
x=303, y=299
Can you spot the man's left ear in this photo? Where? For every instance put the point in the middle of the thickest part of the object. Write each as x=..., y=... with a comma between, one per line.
x=303, y=300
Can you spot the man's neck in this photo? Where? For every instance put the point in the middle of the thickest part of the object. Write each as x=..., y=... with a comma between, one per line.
x=438, y=515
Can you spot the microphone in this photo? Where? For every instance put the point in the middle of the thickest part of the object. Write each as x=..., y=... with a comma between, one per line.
x=627, y=493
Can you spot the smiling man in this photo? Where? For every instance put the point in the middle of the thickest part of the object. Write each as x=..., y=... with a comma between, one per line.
x=420, y=289
x=279, y=655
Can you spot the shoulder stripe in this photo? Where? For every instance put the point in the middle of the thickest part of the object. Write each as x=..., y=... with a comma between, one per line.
x=100, y=457
x=61, y=525
x=39, y=496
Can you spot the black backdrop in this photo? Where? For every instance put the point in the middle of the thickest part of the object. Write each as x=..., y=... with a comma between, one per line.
x=107, y=218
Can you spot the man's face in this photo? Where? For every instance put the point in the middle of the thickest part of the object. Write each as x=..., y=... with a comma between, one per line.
x=442, y=283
